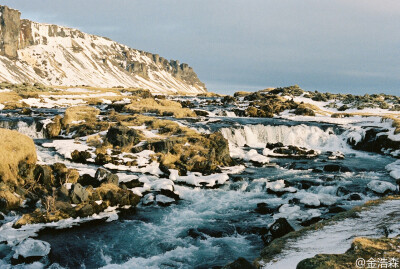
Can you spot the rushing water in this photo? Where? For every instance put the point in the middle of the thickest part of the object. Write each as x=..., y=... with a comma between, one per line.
x=212, y=227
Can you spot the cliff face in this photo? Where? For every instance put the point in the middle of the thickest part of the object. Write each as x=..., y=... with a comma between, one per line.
x=9, y=31
x=56, y=55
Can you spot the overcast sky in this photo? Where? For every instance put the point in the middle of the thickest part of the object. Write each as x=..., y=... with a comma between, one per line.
x=325, y=45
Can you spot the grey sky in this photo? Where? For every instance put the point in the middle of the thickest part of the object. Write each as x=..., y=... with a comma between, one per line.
x=325, y=45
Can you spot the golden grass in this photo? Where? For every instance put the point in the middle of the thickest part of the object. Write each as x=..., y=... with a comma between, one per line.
x=160, y=107
x=396, y=122
x=210, y=94
x=13, y=201
x=80, y=113
x=14, y=149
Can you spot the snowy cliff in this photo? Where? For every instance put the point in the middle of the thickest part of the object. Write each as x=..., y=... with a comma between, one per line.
x=55, y=55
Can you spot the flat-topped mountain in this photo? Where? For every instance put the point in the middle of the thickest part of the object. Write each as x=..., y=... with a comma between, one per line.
x=56, y=55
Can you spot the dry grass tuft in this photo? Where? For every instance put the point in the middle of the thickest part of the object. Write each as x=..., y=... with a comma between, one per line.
x=160, y=107
x=15, y=148
x=80, y=113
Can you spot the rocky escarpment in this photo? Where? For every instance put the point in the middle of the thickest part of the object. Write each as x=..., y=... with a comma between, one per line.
x=47, y=193
x=55, y=55
x=9, y=32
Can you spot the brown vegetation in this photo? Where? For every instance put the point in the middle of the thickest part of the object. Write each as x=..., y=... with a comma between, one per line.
x=15, y=150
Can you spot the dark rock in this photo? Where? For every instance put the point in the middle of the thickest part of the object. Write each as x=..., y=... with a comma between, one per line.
x=163, y=146
x=201, y=113
x=355, y=197
x=375, y=140
x=78, y=194
x=332, y=168
x=164, y=169
x=104, y=176
x=80, y=156
x=317, y=170
x=65, y=207
x=310, y=221
x=263, y=209
x=44, y=175
x=240, y=263
x=274, y=145
x=63, y=194
x=60, y=170
x=237, y=178
x=280, y=227
x=267, y=238
x=102, y=159
x=336, y=168
x=86, y=180
x=194, y=233
x=341, y=191
x=306, y=184
x=133, y=184
x=85, y=210
x=122, y=136
x=217, y=232
x=228, y=99
x=170, y=194
x=336, y=209
x=305, y=111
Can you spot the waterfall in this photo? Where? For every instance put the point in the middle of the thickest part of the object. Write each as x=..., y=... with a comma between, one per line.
x=258, y=136
x=28, y=129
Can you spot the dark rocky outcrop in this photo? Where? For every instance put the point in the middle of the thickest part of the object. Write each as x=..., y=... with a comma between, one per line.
x=375, y=140
x=278, y=229
x=104, y=176
x=122, y=137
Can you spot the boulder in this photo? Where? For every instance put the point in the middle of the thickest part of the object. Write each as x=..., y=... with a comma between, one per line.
x=80, y=156
x=115, y=195
x=86, y=180
x=84, y=210
x=44, y=175
x=263, y=209
x=336, y=209
x=240, y=263
x=310, y=221
x=53, y=129
x=201, y=113
x=355, y=197
x=78, y=194
x=280, y=228
x=102, y=159
x=104, y=176
x=122, y=136
x=336, y=168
